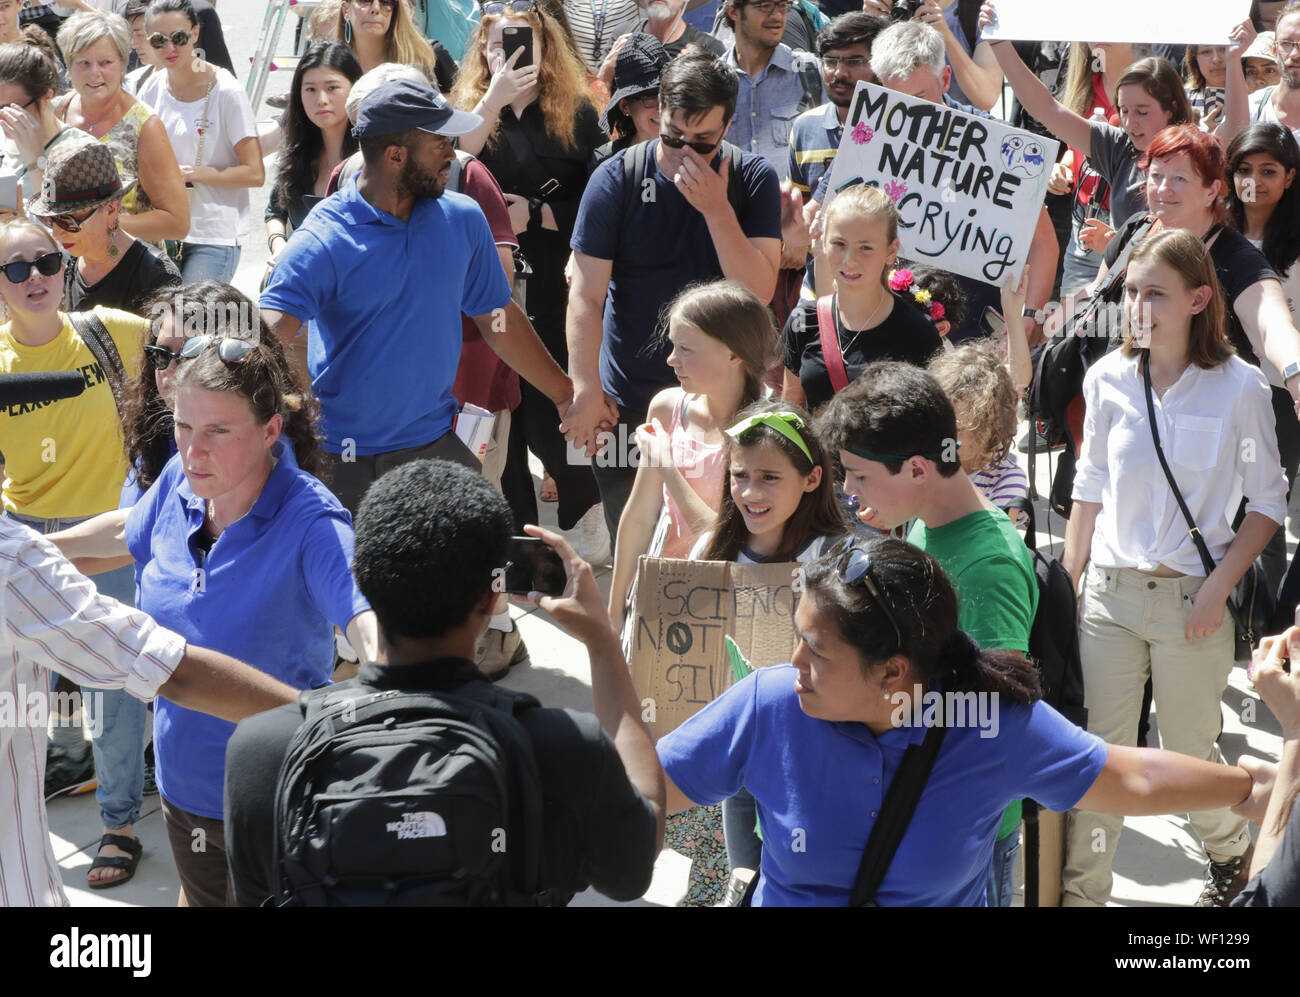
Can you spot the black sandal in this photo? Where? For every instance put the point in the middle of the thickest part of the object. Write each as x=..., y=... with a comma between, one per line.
x=129, y=845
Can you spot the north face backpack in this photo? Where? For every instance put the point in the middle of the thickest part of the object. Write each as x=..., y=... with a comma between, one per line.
x=409, y=799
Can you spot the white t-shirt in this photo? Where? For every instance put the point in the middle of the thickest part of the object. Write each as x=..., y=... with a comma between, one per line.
x=1262, y=109
x=218, y=215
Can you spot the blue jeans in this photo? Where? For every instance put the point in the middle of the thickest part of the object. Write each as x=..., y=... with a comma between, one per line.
x=201, y=262
x=1004, y=857
x=117, y=719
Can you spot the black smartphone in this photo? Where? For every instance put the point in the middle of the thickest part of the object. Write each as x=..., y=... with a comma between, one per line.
x=992, y=323
x=531, y=566
x=512, y=38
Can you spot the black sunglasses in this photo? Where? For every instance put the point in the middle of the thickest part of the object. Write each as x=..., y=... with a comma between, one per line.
x=47, y=266
x=854, y=568
x=677, y=142
x=231, y=351
x=178, y=38
x=160, y=356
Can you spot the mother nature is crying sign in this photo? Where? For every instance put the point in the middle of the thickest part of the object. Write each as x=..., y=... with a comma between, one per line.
x=968, y=189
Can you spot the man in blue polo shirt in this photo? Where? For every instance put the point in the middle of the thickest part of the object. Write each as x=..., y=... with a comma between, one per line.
x=381, y=272
x=635, y=248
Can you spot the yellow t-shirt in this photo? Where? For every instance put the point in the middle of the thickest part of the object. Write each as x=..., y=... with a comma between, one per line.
x=65, y=458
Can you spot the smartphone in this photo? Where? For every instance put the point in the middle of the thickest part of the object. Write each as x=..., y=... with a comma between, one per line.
x=512, y=38
x=992, y=324
x=531, y=566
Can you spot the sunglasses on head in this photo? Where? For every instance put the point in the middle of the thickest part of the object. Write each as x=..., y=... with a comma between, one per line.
x=178, y=38
x=69, y=223
x=231, y=351
x=494, y=8
x=677, y=142
x=854, y=568
x=47, y=266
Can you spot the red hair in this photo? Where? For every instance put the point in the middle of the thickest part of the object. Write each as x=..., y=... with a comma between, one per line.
x=1202, y=150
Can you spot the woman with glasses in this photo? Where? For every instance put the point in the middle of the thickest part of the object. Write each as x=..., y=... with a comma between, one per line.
x=818, y=743
x=213, y=133
x=239, y=546
x=632, y=114
x=380, y=31
x=538, y=133
x=96, y=47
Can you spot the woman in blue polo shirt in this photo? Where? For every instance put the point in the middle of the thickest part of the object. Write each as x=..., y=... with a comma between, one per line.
x=240, y=549
x=818, y=742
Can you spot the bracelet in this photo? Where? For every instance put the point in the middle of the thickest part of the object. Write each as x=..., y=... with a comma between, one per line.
x=272, y=237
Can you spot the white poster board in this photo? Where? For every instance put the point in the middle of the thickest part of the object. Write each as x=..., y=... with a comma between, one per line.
x=968, y=189
x=1170, y=22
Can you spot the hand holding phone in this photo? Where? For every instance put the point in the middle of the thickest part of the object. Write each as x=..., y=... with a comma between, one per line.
x=532, y=566
x=580, y=609
x=514, y=38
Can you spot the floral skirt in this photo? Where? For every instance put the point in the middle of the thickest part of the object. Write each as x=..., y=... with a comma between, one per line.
x=697, y=834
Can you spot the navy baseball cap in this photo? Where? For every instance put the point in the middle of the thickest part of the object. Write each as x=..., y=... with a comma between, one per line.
x=398, y=105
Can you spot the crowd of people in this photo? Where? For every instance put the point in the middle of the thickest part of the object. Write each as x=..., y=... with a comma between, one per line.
x=612, y=228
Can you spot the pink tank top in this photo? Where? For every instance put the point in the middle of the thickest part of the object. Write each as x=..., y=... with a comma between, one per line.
x=703, y=465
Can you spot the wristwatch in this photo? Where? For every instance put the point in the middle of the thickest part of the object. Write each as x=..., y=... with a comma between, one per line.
x=1290, y=370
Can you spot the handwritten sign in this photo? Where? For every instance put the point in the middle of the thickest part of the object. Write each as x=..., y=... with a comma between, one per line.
x=968, y=189
x=1171, y=22
x=680, y=615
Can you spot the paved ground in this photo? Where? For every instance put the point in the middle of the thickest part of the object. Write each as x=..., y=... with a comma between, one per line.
x=1158, y=862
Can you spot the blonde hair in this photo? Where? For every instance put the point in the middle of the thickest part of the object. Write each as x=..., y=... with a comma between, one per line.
x=870, y=202
x=562, y=86
x=86, y=27
x=402, y=42
x=385, y=72
x=1077, y=95
x=980, y=389
x=323, y=22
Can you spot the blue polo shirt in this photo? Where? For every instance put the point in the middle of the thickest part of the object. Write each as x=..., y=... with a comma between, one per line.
x=658, y=244
x=820, y=785
x=274, y=585
x=382, y=300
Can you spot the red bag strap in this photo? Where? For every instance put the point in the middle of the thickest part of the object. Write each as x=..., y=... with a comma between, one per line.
x=831, y=352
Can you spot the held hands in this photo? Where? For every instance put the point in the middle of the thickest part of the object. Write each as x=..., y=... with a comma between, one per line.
x=580, y=610
x=704, y=190
x=1279, y=689
x=508, y=83
x=1208, y=610
x=1096, y=235
x=591, y=413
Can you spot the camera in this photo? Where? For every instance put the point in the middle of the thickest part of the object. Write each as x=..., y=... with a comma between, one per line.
x=904, y=10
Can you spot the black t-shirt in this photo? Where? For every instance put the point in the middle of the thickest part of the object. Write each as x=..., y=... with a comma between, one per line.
x=692, y=36
x=1278, y=885
x=905, y=335
x=597, y=829
x=1237, y=263
x=137, y=275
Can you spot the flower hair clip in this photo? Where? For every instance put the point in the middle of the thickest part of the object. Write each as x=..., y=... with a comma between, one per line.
x=903, y=280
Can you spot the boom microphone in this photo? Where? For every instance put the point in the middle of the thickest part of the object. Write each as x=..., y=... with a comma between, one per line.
x=40, y=388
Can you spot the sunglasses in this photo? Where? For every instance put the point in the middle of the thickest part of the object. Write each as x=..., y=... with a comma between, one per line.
x=47, y=266
x=178, y=38
x=69, y=223
x=160, y=357
x=854, y=568
x=677, y=142
x=231, y=351
x=495, y=7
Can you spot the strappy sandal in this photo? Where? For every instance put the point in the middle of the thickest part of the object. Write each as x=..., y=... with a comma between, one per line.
x=130, y=845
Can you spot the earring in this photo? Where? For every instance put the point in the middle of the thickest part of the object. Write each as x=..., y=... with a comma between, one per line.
x=886, y=694
x=347, y=31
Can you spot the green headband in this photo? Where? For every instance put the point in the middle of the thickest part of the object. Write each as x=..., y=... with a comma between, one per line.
x=897, y=458
x=786, y=423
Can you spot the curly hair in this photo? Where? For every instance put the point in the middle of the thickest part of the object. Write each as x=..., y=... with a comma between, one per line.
x=980, y=389
x=562, y=86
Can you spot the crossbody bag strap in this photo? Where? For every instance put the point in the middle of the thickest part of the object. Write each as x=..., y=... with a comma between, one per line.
x=1192, y=530
x=831, y=351
x=101, y=345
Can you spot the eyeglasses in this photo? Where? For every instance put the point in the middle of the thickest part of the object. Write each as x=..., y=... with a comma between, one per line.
x=768, y=6
x=677, y=142
x=854, y=568
x=387, y=5
x=178, y=38
x=850, y=62
x=69, y=222
x=494, y=7
x=231, y=351
x=160, y=356
x=47, y=266
x=1286, y=48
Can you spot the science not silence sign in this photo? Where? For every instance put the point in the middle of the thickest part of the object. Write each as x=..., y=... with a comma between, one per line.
x=968, y=189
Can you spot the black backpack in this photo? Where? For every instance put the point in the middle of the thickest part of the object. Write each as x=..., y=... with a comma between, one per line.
x=387, y=797
x=634, y=164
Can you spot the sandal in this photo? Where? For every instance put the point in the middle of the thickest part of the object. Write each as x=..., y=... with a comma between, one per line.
x=549, y=493
x=129, y=845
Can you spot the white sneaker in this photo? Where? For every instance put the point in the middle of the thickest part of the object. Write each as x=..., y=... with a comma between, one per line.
x=590, y=537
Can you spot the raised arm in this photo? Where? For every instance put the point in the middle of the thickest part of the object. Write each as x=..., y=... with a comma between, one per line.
x=1266, y=320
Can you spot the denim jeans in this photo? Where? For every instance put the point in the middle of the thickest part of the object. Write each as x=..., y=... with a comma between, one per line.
x=117, y=719
x=1004, y=858
x=203, y=262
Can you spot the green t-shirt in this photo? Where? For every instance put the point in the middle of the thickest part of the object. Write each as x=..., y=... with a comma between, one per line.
x=997, y=592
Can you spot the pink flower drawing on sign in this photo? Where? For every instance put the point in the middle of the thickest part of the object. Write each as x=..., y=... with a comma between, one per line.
x=895, y=190
x=862, y=133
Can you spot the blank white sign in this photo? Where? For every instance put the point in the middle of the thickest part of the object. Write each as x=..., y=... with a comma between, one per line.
x=1173, y=22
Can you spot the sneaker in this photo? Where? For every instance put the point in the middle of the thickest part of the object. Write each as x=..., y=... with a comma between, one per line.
x=1224, y=880
x=498, y=652
x=150, y=783
x=67, y=774
x=737, y=887
x=590, y=537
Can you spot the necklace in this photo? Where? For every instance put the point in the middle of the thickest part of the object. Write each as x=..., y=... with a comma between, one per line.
x=844, y=348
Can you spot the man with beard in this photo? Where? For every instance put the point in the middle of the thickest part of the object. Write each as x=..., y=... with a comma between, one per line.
x=381, y=272
x=1281, y=104
x=664, y=20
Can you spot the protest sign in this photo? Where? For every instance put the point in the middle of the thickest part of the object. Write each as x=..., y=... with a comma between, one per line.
x=968, y=189
x=681, y=614
x=1171, y=22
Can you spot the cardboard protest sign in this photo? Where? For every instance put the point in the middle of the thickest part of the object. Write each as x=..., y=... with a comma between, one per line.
x=968, y=189
x=680, y=617
x=1171, y=22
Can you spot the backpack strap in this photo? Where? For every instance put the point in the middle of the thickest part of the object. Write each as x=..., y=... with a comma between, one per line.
x=634, y=171
x=1023, y=504
x=831, y=351
x=895, y=815
x=101, y=345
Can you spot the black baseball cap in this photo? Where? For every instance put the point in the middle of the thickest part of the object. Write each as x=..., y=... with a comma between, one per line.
x=398, y=105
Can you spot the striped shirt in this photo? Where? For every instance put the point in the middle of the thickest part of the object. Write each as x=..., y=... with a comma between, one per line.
x=1002, y=481
x=814, y=140
x=597, y=24
x=53, y=618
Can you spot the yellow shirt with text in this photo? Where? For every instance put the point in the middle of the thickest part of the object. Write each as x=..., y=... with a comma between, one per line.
x=64, y=458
